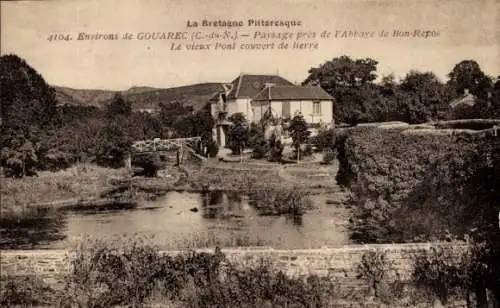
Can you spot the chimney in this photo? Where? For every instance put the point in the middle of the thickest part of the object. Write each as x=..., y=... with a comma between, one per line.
x=466, y=91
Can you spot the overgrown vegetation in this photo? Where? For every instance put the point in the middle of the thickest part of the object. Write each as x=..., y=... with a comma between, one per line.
x=409, y=187
x=139, y=275
x=39, y=135
x=283, y=201
x=404, y=186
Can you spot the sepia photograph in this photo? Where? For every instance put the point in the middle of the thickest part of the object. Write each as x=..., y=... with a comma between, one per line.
x=283, y=153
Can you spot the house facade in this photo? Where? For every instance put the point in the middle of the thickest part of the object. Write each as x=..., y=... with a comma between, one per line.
x=256, y=95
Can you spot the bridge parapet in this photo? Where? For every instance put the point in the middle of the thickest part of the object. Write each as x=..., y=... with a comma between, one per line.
x=157, y=144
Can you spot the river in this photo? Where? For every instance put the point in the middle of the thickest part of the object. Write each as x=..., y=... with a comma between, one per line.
x=182, y=220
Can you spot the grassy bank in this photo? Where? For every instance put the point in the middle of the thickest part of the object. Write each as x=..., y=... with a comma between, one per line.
x=72, y=183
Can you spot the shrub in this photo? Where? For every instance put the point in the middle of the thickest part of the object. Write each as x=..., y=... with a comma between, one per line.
x=260, y=286
x=291, y=201
x=213, y=149
x=442, y=274
x=275, y=149
x=25, y=291
x=136, y=275
x=325, y=139
x=374, y=268
x=150, y=164
x=104, y=277
x=328, y=156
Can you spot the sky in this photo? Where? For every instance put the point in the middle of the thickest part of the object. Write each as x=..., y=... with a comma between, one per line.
x=468, y=29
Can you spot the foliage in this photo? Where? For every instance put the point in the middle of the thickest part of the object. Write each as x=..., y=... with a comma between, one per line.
x=113, y=144
x=444, y=273
x=137, y=275
x=298, y=131
x=404, y=185
x=194, y=124
x=257, y=141
x=170, y=112
x=291, y=201
x=28, y=108
x=239, y=133
x=422, y=98
x=328, y=156
x=274, y=149
x=351, y=83
x=325, y=139
x=374, y=268
x=118, y=107
x=213, y=149
x=467, y=74
x=26, y=291
x=343, y=72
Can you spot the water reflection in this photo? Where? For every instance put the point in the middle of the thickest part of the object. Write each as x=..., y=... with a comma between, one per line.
x=34, y=231
x=296, y=220
x=221, y=205
x=223, y=218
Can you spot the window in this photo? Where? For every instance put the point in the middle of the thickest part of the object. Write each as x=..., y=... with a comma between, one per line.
x=317, y=108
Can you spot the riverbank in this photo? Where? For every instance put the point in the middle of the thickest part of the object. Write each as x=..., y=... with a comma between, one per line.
x=93, y=186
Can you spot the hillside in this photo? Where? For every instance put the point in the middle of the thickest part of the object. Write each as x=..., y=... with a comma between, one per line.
x=141, y=97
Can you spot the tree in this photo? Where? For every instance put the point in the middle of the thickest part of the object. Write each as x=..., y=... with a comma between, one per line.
x=275, y=151
x=468, y=75
x=343, y=72
x=299, y=132
x=195, y=124
x=239, y=133
x=172, y=111
x=114, y=144
x=350, y=82
x=27, y=112
x=257, y=141
x=118, y=107
x=422, y=97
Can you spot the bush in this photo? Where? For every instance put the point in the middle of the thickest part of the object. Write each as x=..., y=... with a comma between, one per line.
x=374, y=269
x=149, y=163
x=328, y=156
x=25, y=291
x=136, y=276
x=280, y=202
x=261, y=286
x=275, y=149
x=105, y=277
x=213, y=149
x=325, y=139
x=443, y=274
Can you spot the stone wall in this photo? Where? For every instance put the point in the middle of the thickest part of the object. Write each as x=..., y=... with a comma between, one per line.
x=339, y=263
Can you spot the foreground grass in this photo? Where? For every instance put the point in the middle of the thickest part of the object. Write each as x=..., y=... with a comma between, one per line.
x=84, y=180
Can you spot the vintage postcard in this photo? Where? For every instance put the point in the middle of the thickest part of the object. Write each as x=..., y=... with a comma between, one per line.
x=284, y=153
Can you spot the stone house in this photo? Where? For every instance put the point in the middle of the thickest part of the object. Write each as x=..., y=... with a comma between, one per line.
x=254, y=95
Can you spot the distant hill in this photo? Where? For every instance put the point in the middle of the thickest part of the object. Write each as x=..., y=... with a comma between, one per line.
x=195, y=95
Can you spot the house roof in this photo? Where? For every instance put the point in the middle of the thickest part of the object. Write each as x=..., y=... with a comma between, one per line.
x=249, y=85
x=466, y=99
x=283, y=93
